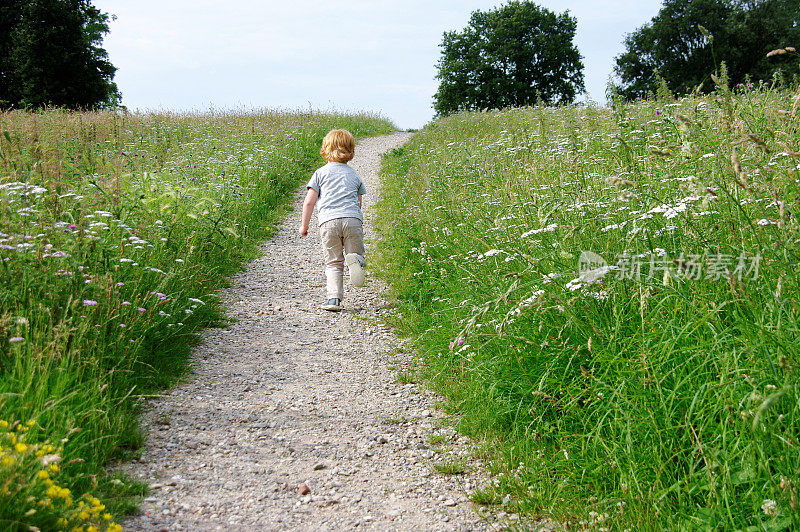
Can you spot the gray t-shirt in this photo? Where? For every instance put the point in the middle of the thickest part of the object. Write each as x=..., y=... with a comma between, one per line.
x=338, y=186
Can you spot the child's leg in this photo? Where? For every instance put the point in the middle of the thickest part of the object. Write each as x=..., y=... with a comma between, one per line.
x=353, y=241
x=353, y=238
x=331, y=236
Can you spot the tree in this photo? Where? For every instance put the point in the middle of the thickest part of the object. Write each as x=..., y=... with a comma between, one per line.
x=515, y=55
x=10, y=12
x=51, y=54
x=689, y=39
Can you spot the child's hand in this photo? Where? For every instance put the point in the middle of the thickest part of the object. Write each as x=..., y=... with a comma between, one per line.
x=303, y=230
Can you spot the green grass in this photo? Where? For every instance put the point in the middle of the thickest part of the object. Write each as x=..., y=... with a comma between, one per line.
x=664, y=398
x=451, y=467
x=117, y=233
x=407, y=377
x=396, y=420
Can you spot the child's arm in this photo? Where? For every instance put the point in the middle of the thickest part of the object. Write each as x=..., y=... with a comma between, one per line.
x=308, y=208
x=359, y=200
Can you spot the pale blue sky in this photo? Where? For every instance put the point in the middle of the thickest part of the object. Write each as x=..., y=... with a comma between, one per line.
x=375, y=55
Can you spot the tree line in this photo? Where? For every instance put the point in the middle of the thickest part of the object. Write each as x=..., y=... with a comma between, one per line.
x=515, y=55
x=51, y=54
x=522, y=54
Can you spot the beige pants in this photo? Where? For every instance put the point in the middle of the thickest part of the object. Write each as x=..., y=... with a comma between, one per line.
x=339, y=237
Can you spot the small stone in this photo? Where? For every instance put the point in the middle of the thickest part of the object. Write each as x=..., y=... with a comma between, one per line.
x=381, y=439
x=319, y=466
x=449, y=502
x=303, y=489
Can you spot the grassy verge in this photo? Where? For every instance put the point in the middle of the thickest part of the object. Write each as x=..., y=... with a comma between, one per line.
x=117, y=232
x=651, y=382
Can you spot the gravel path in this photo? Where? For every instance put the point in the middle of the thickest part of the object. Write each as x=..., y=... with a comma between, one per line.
x=293, y=418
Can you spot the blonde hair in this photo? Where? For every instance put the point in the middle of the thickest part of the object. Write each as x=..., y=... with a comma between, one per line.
x=338, y=146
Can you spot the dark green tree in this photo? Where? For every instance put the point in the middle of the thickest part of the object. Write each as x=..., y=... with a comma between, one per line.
x=515, y=55
x=10, y=12
x=51, y=55
x=689, y=39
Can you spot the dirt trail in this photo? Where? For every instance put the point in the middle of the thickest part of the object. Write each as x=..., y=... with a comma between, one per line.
x=292, y=395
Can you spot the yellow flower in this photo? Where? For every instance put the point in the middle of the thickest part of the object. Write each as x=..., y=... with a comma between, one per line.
x=62, y=522
x=107, y=516
x=43, y=475
x=114, y=527
x=7, y=461
x=3, y=424
x=84, y=515
x=54, y=468
x=30, y=423
x=53, y=491
x=92, y=528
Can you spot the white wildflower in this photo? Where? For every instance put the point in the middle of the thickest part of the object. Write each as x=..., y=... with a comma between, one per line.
x=490, y=253
x=548, y=229
x=770, y=507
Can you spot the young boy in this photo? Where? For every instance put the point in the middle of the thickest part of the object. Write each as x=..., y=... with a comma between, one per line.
x=339, y=190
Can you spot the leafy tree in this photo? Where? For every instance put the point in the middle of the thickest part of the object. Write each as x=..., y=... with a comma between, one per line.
x=688, y=40
x=51, y=54
x=515, y=55
x=10, y=12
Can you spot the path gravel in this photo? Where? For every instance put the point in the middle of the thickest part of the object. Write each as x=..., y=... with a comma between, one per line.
x=293, y=417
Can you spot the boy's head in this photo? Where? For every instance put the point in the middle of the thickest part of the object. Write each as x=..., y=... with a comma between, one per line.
x=338, y=146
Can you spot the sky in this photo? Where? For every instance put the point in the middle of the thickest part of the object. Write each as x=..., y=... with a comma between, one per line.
x=356, y=55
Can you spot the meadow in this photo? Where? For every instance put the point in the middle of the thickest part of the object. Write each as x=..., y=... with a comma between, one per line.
x=117, y=232
x=608, y=298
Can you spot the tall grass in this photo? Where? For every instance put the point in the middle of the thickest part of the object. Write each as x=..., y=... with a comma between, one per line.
x=649, y=384
x=117, y=232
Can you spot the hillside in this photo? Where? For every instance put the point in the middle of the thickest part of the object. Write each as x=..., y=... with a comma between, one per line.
x=609, y=296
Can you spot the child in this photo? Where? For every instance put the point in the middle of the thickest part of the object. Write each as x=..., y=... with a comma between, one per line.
x=339, y=190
